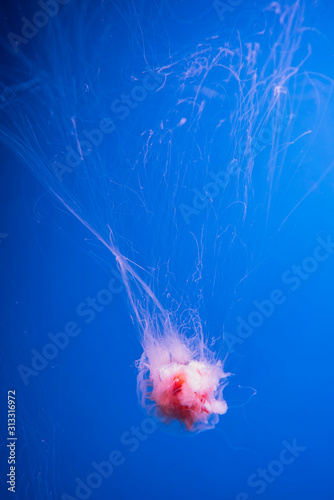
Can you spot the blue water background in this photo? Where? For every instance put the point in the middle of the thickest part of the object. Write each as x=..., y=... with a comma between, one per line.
x=76, y=410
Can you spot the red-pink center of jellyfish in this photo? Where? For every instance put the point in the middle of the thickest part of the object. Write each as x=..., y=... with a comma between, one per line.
x=187, y=392
x=180, y=379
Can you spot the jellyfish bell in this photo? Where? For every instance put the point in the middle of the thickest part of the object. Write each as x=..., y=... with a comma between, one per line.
x=179, y=380
x=187, y=393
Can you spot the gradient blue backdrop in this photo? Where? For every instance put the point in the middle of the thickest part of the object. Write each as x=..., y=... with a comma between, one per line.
x=76, y=410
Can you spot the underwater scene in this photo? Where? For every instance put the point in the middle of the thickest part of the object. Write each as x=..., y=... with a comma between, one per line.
x=167, y=249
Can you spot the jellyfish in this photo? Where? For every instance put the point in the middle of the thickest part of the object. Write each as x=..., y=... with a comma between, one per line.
x=177, y=383
x=172, y=165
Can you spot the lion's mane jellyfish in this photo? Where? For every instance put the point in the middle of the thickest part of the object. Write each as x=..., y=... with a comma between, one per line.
x=179, y=193
x=179, y=379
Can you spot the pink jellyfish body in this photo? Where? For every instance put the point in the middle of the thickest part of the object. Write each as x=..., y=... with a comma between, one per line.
x=179, y=379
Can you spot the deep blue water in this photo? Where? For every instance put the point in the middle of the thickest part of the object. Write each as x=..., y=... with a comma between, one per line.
x=80, y=430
